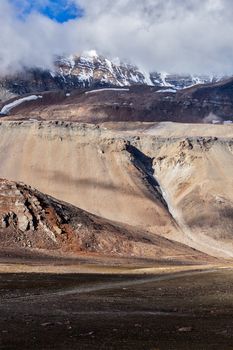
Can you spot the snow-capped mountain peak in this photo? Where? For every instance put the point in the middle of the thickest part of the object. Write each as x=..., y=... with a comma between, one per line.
x=92, y=70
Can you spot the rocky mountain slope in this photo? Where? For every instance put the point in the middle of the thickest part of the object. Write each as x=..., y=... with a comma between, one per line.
x=90, y=71
x=37, y=222
x=181, y=81
x=177, y=186
x=211, y=103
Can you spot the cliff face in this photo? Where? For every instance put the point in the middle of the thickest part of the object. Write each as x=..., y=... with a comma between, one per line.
x=195, y=175
x=175, y=186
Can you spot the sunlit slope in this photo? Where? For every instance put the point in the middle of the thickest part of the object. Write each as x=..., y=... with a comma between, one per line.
x=197, y=182
x=85, y=166
x=39, y=223
x=178, y=186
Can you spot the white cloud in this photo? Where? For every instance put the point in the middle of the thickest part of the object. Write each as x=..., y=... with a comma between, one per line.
x=32, y=41
x=172, y=35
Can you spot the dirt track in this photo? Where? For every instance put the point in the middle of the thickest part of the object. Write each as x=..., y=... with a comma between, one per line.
x=136, y=281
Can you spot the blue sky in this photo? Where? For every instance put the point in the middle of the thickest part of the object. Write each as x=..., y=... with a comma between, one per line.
x=58, y=10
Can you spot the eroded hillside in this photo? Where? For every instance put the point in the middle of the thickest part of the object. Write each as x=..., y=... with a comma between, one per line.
x=37, y=222
x=195, y=175
x=178, y=187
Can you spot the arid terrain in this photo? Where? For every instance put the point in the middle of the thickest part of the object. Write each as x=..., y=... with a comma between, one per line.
x=178, y=187
x=168, y=309
x=197, y=104
x=116, y=175
x=114, y=235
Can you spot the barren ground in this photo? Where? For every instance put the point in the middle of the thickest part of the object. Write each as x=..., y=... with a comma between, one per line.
x=177, y=186
x=169, y=307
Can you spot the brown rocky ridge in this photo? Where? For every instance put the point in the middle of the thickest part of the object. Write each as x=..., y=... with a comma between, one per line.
x=211, y=103
x=37, y=222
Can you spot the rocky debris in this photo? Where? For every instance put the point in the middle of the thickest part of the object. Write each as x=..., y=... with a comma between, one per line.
x=186, y=144
x=9, y=219
x=185, y=329
x=21, y=211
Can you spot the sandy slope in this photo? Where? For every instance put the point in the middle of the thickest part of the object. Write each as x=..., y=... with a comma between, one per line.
x=178, y=186
x=196, y=179
x=85, y=167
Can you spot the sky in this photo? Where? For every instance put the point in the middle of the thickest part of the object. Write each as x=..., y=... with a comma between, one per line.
x=176, y=36
x=58, y=10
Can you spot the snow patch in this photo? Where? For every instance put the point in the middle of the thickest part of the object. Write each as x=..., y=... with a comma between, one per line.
x=91, y=54
x=105, y=89
x=53, y=74
x=163, y=76
x=109, y=65
x=147, y=79
x=167, y=90
x=7, y=108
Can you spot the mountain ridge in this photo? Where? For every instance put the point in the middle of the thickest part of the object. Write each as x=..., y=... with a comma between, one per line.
x=91, y=70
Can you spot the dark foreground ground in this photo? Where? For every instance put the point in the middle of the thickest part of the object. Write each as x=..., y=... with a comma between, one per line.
x=182, y=310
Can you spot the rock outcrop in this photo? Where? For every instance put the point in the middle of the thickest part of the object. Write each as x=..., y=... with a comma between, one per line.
x=37, y=222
